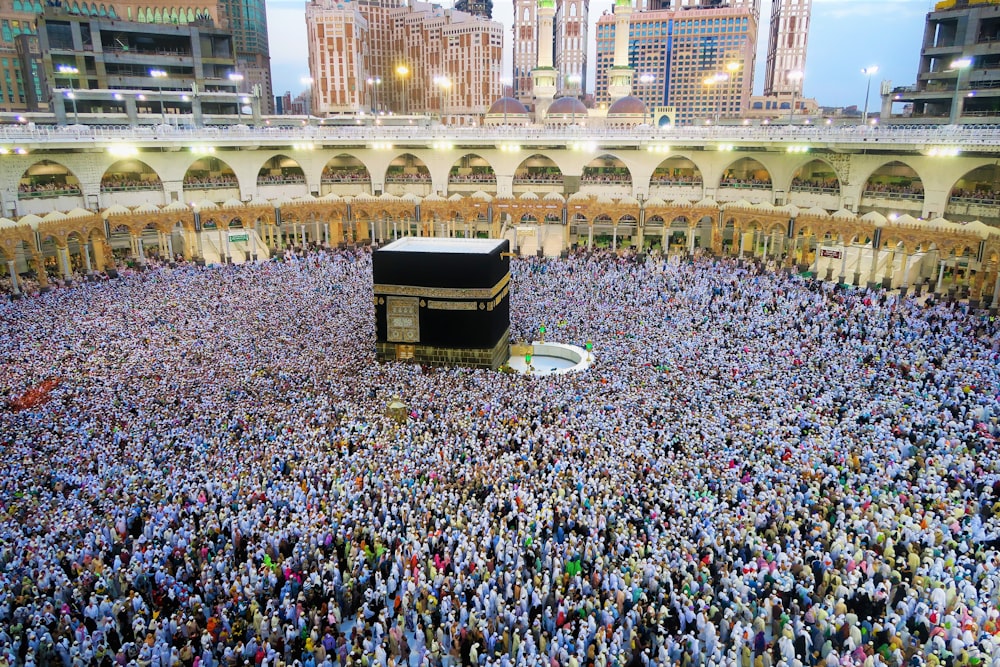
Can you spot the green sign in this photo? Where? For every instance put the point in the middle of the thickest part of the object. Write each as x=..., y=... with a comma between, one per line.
x=235, y=238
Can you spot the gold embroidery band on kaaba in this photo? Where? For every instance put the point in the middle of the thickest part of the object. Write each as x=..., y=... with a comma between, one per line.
x=443, y=292
x=452, y=305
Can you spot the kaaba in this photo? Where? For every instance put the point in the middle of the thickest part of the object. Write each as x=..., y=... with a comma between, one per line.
x=443, y=302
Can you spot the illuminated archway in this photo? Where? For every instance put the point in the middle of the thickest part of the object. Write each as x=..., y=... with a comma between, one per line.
x=281, y=170
x=472, y=172
x=606, y=170
x=47, y=179
x=210, y=173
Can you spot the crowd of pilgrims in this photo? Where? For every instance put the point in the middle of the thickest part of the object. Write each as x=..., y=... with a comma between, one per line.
x=758, y=470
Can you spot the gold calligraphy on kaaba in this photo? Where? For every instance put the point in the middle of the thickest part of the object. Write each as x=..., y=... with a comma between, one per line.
x=451, y=305
x=485, y=293
x=402, y=316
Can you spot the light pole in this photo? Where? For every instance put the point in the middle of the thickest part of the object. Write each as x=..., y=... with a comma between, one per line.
x=709, y=82
x=646, y=79
x=732, y=68
x=793, y=78
x=71, y=73
x=868, y=72
x=403, y=72
x=236, y=78
x=374, y=82
x=505, y=81
x=160, y=74
x=308, y=81
x=444, y=83
x=959, y=66
x=712, y=83
x=573, y=84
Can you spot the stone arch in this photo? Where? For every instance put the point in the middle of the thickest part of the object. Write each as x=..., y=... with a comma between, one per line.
x=407, y=173
x=473, y=171
x=47, y=178
x=345, y=168
x=606, y=169
x=407, y=166
x=538, y=169
x=676, y=171
x=280, y=170
x=130, y=174
x=746, y=173
x=895, y=178
x=210, y=173
x=980, y=185
x=815, y=175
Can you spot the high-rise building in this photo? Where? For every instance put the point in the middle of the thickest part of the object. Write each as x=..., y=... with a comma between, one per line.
x=337, y=35
x=247, y=20
x=525, y=48
x=419, y=58
x=481, y=8
x=571, y=46
x=786, y=47
x=699, y=61
x=959, y=73
x=19, y=17
x=712, y=62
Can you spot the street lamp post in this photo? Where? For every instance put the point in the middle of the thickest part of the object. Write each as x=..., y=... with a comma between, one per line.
x=709, y=82
x=959, y=65
x=732, y=68
x=403, y=72
x=160, y=74
x=444, y=84
x=71, y=73
x=794, y=77
x=504, y=82
x=646, y=79
x=236, y=77
x=573, y=81
x=868, y=72
x=712, y=83
x=308, y=81
x=374, y=82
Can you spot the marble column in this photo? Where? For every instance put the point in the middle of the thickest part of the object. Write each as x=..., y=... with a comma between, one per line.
x=15, y=288
x=85, y=253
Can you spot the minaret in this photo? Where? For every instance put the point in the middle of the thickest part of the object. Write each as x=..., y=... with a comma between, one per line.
x=543, y=77
x=620, y=74
x=525, y=48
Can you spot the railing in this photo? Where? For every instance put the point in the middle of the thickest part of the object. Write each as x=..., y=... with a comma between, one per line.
x=985, y=201
x=876, y=194
x=746, y=186
x=527, y=180
x=210, y=186
x=682, y=183
x=345, y=179
x=921, y=135
x=816, y=190
x=485, y=180
x=421, y=180
x=49, y=194
x=282, y=181
x=131, y=188
x=596, y=180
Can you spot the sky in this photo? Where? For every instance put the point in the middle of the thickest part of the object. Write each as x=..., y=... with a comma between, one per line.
x=845, y=36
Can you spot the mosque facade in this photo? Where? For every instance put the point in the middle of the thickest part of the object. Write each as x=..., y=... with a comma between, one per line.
x=901, y=212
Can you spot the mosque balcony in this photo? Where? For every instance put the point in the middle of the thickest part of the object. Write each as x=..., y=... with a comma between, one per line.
x=967, y=208
x=847, y=139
